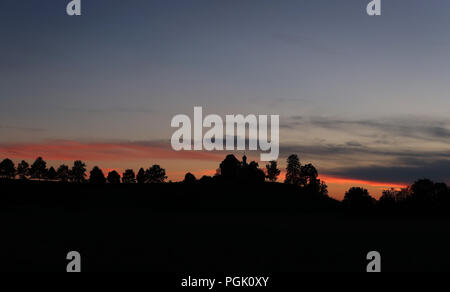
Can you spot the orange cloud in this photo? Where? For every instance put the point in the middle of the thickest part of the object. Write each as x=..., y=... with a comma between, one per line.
x=346, y=181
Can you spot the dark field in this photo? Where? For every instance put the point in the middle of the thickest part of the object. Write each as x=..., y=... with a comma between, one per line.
x=208, y=228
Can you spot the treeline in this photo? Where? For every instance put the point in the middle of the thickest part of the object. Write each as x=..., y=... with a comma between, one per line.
x=424, y=192
x=230, y=170
x=77, y=173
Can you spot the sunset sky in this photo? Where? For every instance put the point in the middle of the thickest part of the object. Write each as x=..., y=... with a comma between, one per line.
x=365, y=99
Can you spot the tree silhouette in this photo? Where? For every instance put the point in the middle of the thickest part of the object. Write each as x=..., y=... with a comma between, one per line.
x=388, y=198
x=23, y=170
x=128, y=177
x=293, y=170
x=308, y=175
x=358, y=198
x=272, y=171
x=113, y=177
x=189, y=178
x=323, y=189
x=155, y=174
x=422, y=191
x=229, y=168
x=232, y=170
x=441, y=193
x=206, y=180
x=252, y=173
x=63, y=173
x=141, y=178
x=403, y=195
x=96, y=176
x=38, y=169
x=7, y=169
x=51, y=174
x=78, y=172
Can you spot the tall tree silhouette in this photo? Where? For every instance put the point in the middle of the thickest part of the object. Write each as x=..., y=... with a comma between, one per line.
x=23, y=170
x=38, y=169
x=128, y=177
x=141, y=178
x=293, y=170
x=7, y=169
x=96, y=176
x=78, y=172
x=272, y=171
x=113, y=177
x=155, y=174
x=51, y=174
x=63, y=173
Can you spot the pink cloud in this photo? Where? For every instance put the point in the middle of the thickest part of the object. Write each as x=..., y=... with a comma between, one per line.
x=72, y=150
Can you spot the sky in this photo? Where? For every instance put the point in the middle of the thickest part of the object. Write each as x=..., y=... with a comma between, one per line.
x=365, y=99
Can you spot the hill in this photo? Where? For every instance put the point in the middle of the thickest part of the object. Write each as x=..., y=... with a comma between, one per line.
x=207, y=227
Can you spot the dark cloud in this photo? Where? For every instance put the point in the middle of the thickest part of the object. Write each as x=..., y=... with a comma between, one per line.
x=359, y=150
x=410, y=127
x=436, y=170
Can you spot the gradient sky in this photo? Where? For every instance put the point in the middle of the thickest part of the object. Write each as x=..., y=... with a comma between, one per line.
x=365, y=99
